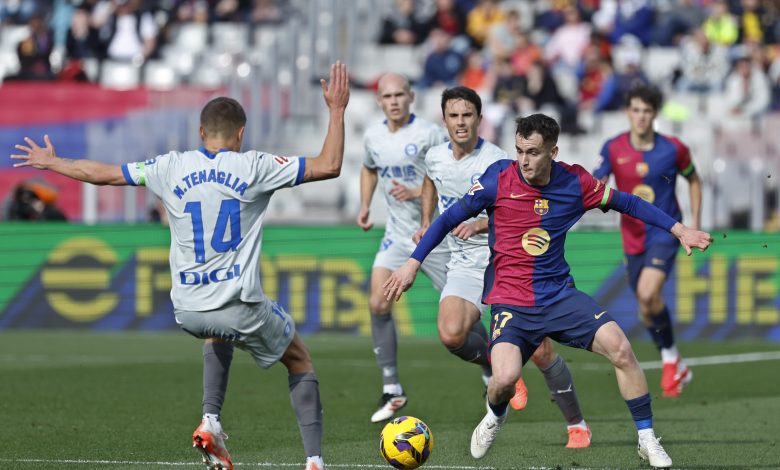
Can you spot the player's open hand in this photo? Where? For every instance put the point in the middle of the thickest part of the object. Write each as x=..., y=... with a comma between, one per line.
x=403, y=193
x=363, y=220
x=35, y=155
x=690, y=238
x=464, y=231
x=336, y=92
x=401, y=280
x=419, y=234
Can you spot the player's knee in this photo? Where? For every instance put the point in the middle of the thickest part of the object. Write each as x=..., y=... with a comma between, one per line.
x=622, y=355
x=504, y=381
x=378, y=305
x=452, y=338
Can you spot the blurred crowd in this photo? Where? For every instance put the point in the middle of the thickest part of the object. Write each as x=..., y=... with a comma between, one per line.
x=570, y=55
x=560, y=55
x=120, y=30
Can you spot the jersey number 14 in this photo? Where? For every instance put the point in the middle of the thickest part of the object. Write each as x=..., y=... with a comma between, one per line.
x=229, y=213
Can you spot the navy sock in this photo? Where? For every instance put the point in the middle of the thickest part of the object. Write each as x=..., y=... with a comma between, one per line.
x=641, y=411
x=500, y=409
x=661, y=329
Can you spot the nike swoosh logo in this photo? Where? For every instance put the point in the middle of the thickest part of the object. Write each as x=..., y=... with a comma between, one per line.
x=517, y=196
x=598, y=315
x=623, y=160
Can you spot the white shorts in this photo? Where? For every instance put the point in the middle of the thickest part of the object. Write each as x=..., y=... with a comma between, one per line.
x=262, y=329
x=466, y=283
x=394, y=253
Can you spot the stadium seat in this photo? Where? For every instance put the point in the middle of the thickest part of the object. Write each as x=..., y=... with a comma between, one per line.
x=180, y=58
x=192, y=36
x=230, y=37
x=10, y=37
x=660, y=63
x=160, y=76
x=119, y=75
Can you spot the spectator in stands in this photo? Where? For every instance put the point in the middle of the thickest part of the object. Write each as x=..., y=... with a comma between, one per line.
x=526, y=53
x=681, y=17
x=483, y=17
x=774, y=77
x=449, y=17
x=567, y=44
x=704, y=65
x=128, y=33
x=34, y=51
x=617, y=18
x=541, y=94
x=403, y=25
x=749, y=22
x=502, y=38
x=747, y=89
x=266, y=11
x=721, y=26
x=592, y=74
x=34, y=201
x=81, y=41
x=192, y=11
x=19, y=11
x=475, y=74
x=443, y=65
x=625, y=75
x=228, y=10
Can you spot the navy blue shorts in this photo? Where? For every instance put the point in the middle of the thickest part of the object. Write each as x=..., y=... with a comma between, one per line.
x=572, y=321
x=655, y=256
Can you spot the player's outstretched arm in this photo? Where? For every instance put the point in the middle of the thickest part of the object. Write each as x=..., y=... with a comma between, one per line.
x=691, y=238
x=401, y=279
x=327, y=164
x=45, y=158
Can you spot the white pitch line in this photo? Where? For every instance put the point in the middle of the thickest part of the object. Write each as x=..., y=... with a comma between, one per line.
x=258, y=464
x=723, y=359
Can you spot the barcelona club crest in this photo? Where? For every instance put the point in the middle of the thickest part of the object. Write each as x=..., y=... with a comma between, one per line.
x=541, y=206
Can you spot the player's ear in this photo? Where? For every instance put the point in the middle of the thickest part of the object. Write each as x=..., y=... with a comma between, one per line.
x=554, y=151
x=411, y=96
x=202, y=133
x=241, y=133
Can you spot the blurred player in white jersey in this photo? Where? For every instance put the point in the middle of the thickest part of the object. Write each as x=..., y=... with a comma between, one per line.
x=452, y=168
x=216, y=198
x=394, y=159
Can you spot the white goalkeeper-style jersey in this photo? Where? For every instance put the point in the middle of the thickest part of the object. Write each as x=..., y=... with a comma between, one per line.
x=452, y=179
x=400, y=156
x=216, y=204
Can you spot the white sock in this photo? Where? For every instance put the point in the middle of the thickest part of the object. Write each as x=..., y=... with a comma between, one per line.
x=317, y=460
x=394, y=389
x=582, y=425
x=211, y=417
x=669, y=355
x=646, y=433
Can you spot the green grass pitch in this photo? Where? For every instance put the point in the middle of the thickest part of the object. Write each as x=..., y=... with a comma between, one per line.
x=131, y=401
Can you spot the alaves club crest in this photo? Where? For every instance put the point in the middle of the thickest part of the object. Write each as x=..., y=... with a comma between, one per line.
x=541, y=206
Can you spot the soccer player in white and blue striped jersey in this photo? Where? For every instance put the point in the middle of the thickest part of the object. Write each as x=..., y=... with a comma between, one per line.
x=216, y=198
x=394, y=161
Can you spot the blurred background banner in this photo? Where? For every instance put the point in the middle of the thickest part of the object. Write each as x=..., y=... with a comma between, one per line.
x=116, y=277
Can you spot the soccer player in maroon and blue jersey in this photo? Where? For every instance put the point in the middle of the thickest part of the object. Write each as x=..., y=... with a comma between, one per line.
x=646, y=163
x=532, y=203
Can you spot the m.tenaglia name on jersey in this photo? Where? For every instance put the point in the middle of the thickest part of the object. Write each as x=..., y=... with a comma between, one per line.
x=210, y=176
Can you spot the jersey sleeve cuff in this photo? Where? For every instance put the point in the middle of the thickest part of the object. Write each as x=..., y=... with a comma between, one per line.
x=687, y=172
x=301, y=171
x=126, y=174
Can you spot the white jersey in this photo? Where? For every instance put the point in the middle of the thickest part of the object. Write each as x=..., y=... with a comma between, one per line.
x=400, y=156
x=452, y=179
x=216, y=204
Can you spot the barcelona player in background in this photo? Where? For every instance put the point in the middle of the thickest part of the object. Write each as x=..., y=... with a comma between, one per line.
x=532, y=203
x=646, y=163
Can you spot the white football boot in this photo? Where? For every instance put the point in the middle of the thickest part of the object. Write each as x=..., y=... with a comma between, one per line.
x=485, y=433
x=650, y=449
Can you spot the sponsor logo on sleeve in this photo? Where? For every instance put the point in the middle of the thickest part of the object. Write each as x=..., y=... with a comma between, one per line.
x=475, y=187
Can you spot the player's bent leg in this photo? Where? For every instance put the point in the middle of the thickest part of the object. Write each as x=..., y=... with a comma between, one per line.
x=561, y=385
x=507, y=365
x=455, y=319
x=675, y=374
x=305, y=399
x=383, y=334
x=611, y=342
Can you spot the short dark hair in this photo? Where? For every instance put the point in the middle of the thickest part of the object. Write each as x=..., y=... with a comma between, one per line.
x=461, y=93
x=222, y=117
x=542, y=124
x=647, y=94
